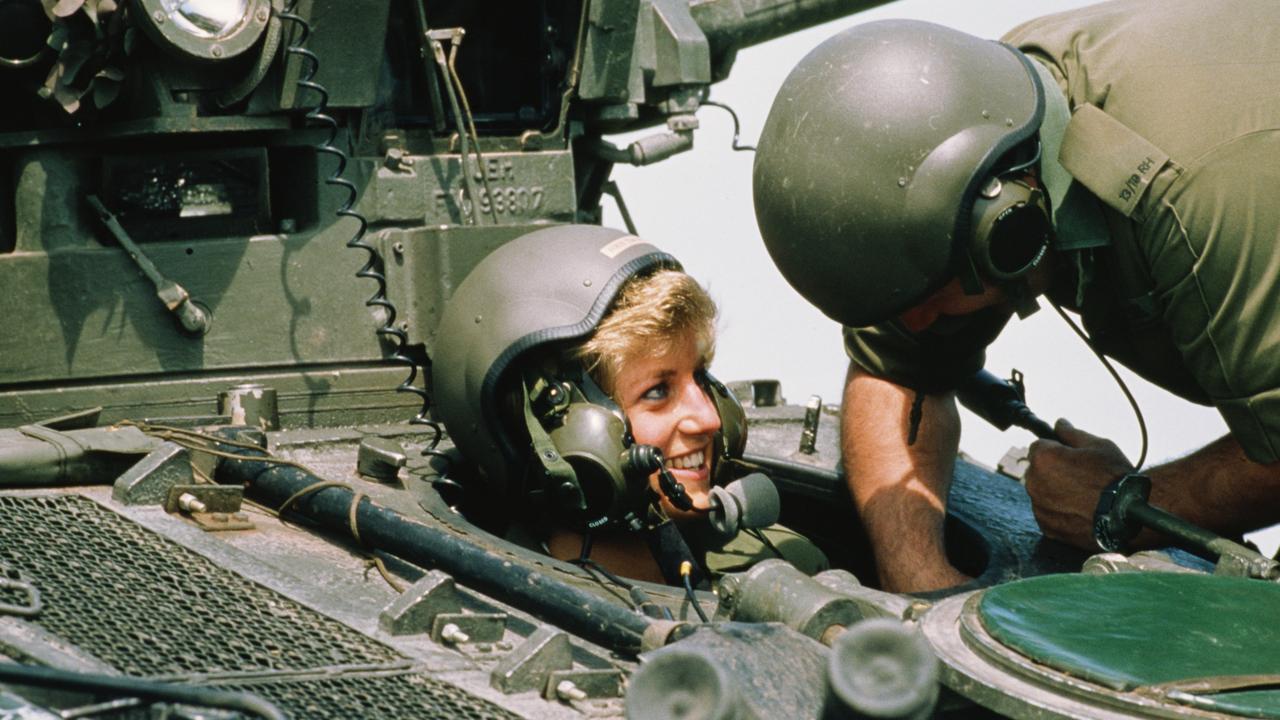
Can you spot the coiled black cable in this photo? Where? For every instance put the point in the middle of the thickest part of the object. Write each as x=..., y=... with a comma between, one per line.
x=316, y=115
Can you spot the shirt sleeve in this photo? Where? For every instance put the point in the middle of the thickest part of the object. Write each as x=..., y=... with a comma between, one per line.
x=1214, y=253
x=932, y=361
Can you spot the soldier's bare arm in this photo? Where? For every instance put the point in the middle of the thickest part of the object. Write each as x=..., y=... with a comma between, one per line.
x=900, y=490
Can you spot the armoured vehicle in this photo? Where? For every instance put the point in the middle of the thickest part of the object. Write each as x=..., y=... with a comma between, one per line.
x=228, y=232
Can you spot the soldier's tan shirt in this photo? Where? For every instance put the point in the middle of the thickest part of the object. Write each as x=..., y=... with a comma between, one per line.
x=1200, y=82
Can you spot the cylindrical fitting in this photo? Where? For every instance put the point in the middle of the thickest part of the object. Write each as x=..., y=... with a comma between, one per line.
x=250, y=404
x=190, y=503
x=881, y=669
x=567, y=691
x=683, y=684
x=380, y=458
x=454, y=635
x=775, y=591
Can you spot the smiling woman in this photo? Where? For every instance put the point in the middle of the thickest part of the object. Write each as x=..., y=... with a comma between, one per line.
x=650, y=354
x=573, y=375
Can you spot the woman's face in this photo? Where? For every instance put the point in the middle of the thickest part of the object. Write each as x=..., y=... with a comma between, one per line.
x=669, y=409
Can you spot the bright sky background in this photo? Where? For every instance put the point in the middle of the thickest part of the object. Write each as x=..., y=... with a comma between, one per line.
x=698, y=207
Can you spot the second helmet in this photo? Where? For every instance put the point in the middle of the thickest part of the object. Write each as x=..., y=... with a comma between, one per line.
x=873, y=154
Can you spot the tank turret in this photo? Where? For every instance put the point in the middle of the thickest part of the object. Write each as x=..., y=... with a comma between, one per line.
x=229, y=230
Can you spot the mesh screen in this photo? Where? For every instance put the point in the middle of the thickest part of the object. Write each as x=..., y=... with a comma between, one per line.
x=400, y=696
x=148, y=607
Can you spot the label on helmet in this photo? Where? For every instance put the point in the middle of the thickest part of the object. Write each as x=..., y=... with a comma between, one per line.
x=612, y=250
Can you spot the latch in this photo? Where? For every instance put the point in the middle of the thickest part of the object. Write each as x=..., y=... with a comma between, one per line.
x=212, y=507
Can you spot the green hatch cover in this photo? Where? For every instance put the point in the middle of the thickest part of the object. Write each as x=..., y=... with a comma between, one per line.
x=1140, y=629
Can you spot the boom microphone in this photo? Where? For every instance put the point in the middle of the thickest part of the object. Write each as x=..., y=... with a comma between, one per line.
x=749, y=502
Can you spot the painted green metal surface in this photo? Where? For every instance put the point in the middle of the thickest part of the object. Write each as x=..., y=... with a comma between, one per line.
x=1132, y=631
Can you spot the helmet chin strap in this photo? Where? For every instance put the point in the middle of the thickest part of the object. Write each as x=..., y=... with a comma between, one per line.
x=667, y=546
x=1021, y=297
x=967, y=272
x=1016, y=290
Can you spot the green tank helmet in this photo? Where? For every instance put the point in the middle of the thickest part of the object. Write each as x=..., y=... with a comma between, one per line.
x=878, y=175
x=515, y=399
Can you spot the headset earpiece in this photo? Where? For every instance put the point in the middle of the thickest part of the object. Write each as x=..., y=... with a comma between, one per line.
x=590, y=433
x=731, y=441
x=1011, y=229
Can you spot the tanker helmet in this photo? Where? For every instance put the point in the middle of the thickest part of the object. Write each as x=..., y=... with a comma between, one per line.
x=511, y=389
x=892, y=162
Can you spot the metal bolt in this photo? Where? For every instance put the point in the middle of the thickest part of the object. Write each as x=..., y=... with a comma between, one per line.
x=451, y=633
x=830, y=634
x=398, y=248
x=191, y=503
x=216, y=51
x=902, y=182
x=403, y=325
x=398, y=159
x=1106, y=563
x=566, y=690
x=586, y=283
x=479, y=318
x=261, y=15
x=159, y=17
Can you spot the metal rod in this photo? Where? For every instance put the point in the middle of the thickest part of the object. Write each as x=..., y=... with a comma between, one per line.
x=176, y=299
x=571, y=608
x=144, y=263
x=1193, y=537
x=464, y=150
x=424, y=48
x=735, y=24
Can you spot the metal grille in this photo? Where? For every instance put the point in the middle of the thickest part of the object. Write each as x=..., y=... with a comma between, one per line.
x=150, y=607
x=399, y=696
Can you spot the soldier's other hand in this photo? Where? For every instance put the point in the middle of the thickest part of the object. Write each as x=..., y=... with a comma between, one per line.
x=1064, y=480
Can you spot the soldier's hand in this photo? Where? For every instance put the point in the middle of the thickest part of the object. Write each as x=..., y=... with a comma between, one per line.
x=1064, y=481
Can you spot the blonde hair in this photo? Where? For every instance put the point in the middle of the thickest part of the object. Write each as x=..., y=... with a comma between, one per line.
x=651, y=311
